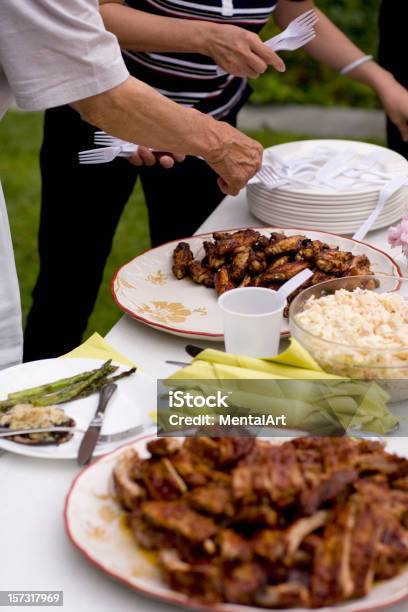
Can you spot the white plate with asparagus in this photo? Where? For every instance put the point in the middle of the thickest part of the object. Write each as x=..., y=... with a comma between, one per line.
x=64, y=393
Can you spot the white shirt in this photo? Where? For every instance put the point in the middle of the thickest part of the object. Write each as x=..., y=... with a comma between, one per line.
x=52, y=52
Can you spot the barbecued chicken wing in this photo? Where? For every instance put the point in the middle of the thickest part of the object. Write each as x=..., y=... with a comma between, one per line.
x=311, y=250
x=223, y=282
x=221, y=235
x=257, y=262
x=200, y=274
x=182, y=257
x=359, y=265
x=238, y=241
x=211, y=259
x=240, y=263
x=261, y=243
x=285, y=245
x=333, y=262
x=259, y=282
x=279, y=262
x=284, y=272
x=275, y=237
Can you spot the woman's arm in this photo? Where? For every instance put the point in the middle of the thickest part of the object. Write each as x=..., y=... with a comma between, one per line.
x=333, y=48
x=234, y=49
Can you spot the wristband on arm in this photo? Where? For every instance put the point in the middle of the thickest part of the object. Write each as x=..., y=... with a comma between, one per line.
x=355, y=64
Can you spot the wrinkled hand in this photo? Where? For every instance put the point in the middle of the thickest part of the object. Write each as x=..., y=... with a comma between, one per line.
x=238, y=51
x=147, y=157
x=395, y=102
x=235, y=160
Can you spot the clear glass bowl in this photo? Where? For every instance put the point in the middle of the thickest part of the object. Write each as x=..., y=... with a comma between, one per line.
x=354, y=361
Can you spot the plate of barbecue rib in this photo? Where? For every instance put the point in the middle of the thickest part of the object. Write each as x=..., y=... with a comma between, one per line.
x=174, y=287
x=244, y=524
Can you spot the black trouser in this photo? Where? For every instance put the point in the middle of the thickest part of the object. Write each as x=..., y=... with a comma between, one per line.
x=393, y=56
x=80, y=209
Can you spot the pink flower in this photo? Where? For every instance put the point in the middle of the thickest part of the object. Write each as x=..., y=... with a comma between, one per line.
x=398, y=236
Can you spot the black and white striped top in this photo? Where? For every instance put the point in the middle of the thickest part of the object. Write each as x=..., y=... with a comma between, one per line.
x=191, y=79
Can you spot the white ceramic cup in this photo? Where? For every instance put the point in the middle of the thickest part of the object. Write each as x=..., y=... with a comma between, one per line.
x=252, y=320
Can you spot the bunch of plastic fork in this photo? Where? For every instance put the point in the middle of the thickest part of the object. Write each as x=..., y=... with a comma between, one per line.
x=111, y=147
x=298, y=33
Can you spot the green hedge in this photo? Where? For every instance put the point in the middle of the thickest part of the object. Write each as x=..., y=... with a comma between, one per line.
x=307, y=82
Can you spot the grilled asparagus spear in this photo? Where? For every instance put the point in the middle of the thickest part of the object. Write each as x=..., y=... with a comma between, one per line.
x=56, y=385
x=66, y=389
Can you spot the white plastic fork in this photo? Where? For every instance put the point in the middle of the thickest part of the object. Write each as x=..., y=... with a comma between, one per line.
x=297, y=27
x=102, y=156
x=107, y=140
x=294, y=42
x=268, y=176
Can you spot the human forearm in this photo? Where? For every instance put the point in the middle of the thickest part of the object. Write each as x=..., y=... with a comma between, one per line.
x=234, y=49
x=333, y=48
x=137, y=113
x=140, y=31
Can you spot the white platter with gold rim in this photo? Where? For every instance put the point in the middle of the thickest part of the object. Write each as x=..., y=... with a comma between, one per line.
x=146, y=288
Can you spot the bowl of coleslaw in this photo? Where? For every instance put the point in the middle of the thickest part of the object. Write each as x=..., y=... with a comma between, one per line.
x=355, y=327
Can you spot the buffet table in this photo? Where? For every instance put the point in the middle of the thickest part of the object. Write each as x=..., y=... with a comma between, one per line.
x=36, y=552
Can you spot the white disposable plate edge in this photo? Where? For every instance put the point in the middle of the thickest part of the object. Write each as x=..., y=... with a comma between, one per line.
x=386, y=217
x=322, y=212
x=328, y=200
x=318, y=219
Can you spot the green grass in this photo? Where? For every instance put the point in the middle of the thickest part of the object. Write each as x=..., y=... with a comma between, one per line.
x=20, y=138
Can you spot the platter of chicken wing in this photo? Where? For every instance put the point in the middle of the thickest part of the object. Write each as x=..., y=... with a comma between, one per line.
x=245, y=524
x=174, y=287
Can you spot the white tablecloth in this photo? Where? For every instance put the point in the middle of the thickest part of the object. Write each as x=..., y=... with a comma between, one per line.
x=36, y=554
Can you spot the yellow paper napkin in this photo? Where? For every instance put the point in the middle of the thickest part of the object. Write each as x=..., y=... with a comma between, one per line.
x=96, y=347
x=294, y=363
x=254, y=384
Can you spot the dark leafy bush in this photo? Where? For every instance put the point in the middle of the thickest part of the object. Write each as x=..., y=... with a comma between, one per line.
x=307, y=82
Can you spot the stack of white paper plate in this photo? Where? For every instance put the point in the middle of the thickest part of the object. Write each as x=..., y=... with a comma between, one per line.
x=318, y=208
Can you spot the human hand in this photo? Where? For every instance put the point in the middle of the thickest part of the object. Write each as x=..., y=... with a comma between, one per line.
x=146, y=157
x=236, y=159
x=238, y=51
x=394, y=98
